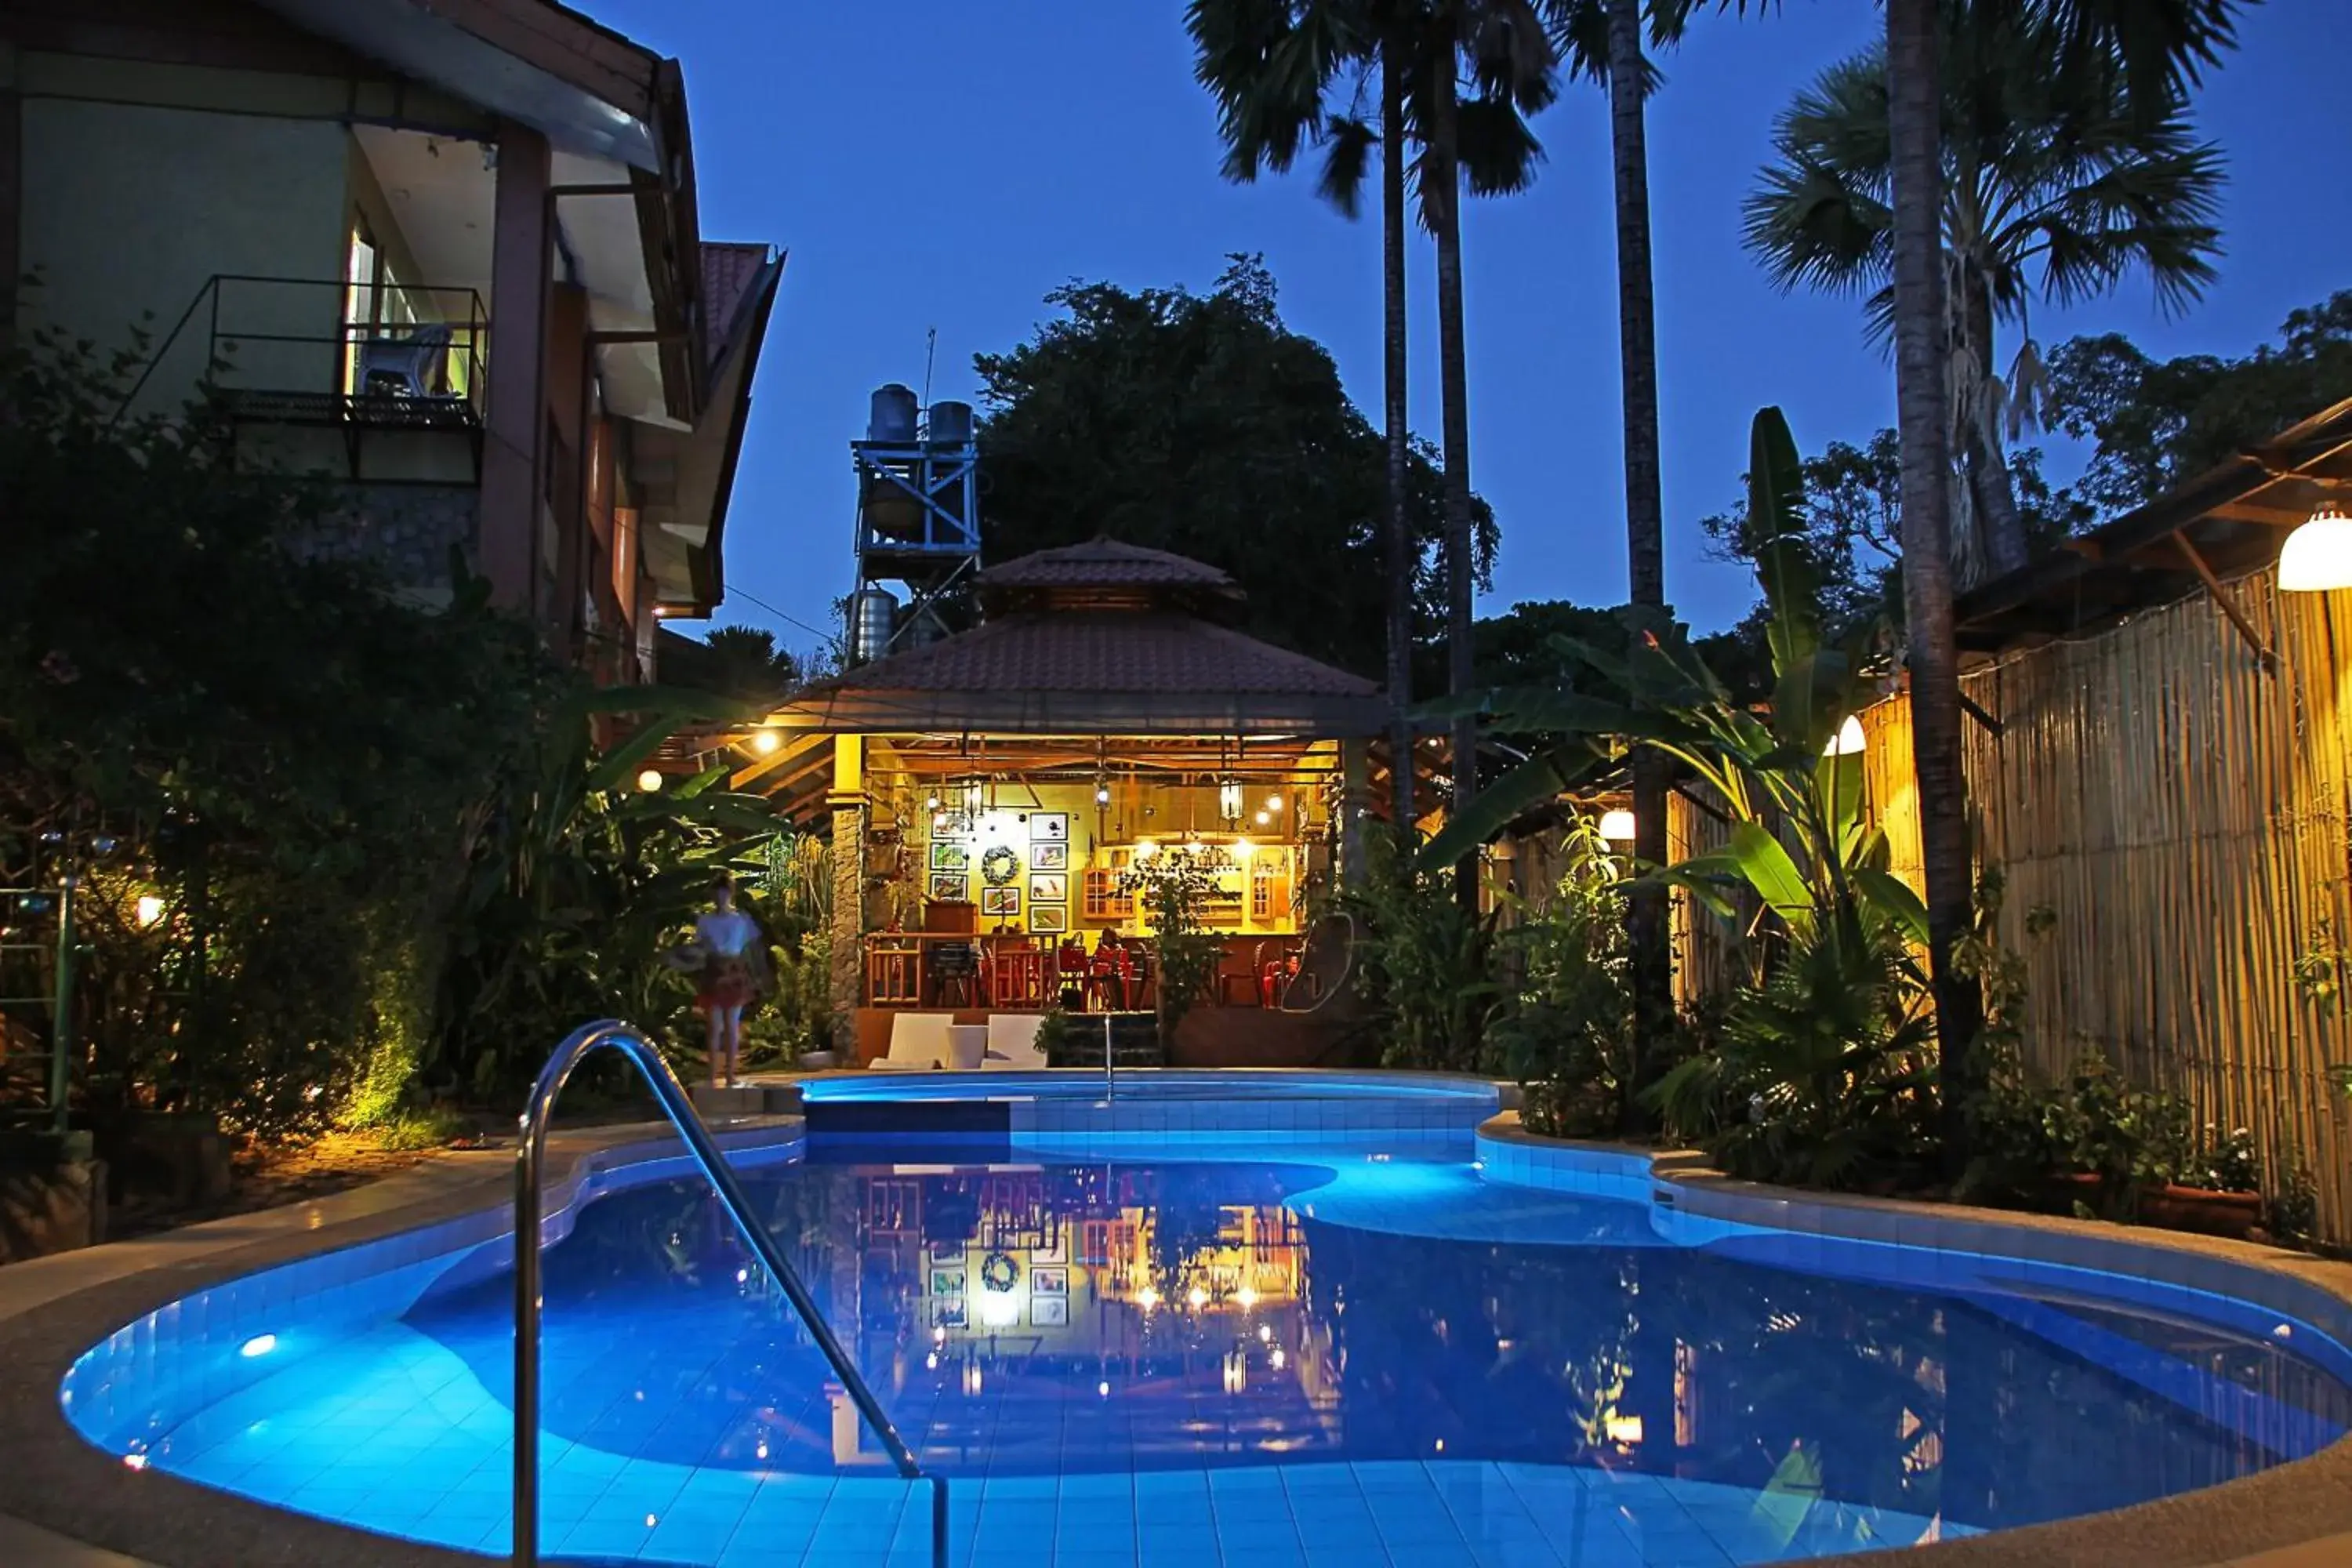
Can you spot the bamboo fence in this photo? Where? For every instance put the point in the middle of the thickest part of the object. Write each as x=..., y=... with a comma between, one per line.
x=2182, y=813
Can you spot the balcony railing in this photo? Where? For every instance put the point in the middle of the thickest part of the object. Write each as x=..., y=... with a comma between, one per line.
x=308, y=351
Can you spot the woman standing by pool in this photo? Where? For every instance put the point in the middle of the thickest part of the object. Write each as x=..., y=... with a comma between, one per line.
x=730, y=942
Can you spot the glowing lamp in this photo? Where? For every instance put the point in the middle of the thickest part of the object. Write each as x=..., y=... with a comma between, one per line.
x=1625, y=1429
x=1102, y=794
x=650, y=780
x=765, y=741
x=1148, y=1298
x=1848, y=742
x=151, y=910
x=1145, y=849
x=1273, y=803
x=2318, y=554
x=1265, y=818
x=1196, y=1297
x=1617, y=827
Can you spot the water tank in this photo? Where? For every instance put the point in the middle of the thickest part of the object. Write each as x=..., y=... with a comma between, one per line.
x=893, y=418
x=872, y=613
x=951, y=424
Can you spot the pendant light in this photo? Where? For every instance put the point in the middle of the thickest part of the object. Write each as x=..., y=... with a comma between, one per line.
x=2318, y=554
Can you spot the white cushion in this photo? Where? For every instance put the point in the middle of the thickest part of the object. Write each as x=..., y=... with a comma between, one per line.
x=1012, y=1040
x=917, y=1041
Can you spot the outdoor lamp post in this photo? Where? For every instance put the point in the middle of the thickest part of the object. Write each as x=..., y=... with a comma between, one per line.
x=2317, y=555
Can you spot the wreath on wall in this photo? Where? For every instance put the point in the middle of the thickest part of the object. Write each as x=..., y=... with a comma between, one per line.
x=999, y=866
x=999, y=1273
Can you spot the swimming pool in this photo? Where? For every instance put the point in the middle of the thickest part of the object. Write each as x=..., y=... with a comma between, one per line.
x=1346, y=1347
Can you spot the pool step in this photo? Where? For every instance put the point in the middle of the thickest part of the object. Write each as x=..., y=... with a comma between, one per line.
x=750, y=1100
x=1134, y=1042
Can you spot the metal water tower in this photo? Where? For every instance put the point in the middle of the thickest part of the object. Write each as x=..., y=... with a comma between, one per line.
x=917, y=521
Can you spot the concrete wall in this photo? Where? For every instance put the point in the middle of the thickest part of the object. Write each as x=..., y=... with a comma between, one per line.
x=131, y=209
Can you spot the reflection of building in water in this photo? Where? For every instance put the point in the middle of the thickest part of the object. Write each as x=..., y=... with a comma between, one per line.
x=979, y=1285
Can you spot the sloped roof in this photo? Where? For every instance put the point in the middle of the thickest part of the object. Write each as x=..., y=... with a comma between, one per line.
x=1102, y=671
x=730, y=270
x=1103, y=562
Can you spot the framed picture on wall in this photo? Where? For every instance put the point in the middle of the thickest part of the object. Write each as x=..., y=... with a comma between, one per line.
x=1049, y=1282
x=947, y=1314
x=1000, y=900
x=1051, y=888
x=947, y=857
x=1049, y=919
x=1049, y=827
x=947, y=1281
x=952, y=824
x=946, y=887
x=1049, y=1312
x=1052, y=856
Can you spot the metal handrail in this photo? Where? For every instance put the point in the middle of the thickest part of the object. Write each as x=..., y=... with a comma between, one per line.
x=530, y=1155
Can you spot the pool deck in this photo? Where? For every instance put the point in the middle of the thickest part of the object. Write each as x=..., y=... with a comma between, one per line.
x=64, y=1504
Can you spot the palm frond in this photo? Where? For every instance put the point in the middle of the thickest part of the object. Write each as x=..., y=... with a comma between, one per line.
x=1499, y=154
x=1347, y=144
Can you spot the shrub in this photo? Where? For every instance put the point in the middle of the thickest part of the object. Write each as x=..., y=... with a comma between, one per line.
x=1564, y=1029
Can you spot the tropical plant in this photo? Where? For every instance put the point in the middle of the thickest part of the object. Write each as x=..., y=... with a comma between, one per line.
x=2055, y=185
x=1800, y=841
x=1566, y=1025
x=1171, y=889
x=579, y=883
x=2159, y=45
x=1426, y=966
x=1825, y=1075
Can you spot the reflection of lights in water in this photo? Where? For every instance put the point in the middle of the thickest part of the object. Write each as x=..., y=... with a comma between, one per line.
x=742, y=1277
x=972, y=1379
x=940, y=1335
x=1265, y=1334
x=1626, y=1429
x=1278, y=1358
x=1147, y=1297
x=261, y=1344
x=652, y=1519
x=761, y=1451
x=932, y=1361
x=1236, y=1371
x=1246, y=1297
x=999, y=1312
x=1196, y=1297
x=1441, y=1444
x=1102, y=1391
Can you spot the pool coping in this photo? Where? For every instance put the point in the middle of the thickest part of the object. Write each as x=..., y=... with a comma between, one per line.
x=2306, y=1504
x=57, y=1309
x=61, y=1306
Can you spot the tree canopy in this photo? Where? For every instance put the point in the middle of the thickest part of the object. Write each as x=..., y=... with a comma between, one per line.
x=1199, y=423
x=2159, y=421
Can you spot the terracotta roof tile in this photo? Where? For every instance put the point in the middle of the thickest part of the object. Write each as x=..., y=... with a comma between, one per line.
x=1103, y=563
x=727, y=270
x=1105, y=652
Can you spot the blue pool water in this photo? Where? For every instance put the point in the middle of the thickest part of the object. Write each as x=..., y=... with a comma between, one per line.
x=1294, y=1355
x=1224, y=1084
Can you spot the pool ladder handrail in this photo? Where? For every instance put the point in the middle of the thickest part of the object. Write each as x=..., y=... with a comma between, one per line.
x=530, y=1156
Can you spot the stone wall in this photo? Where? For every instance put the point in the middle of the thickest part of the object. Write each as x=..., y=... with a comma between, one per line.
x=408, y=529
x=52, y=1194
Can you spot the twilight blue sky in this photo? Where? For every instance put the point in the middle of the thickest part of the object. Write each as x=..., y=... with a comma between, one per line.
x=930, y=164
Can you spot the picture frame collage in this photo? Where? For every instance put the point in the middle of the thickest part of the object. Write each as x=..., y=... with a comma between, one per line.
x=1041, y=885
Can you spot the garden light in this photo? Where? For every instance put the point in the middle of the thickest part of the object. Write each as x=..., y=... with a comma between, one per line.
x=2318, y=554
x=1848, y=742
x=151, y=910
x=1617, y=827
x=765, y=741
x=649, y=781
x=1196, y=1297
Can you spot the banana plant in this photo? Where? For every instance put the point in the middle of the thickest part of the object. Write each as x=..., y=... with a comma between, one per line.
x=1800, y=841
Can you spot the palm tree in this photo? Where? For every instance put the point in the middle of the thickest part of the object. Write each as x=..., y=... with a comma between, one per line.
x=1279, y=69
x=2159, y=45
x=2068, y=177
x=1602, y=39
